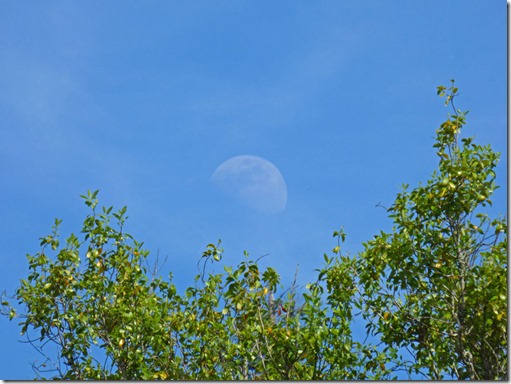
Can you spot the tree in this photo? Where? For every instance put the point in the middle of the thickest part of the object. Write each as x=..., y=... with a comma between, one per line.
x=106, y=307
x=437, y=284
x=432, y=294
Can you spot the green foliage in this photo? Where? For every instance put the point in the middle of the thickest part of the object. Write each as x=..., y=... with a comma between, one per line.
x=436, y=285
x=227, y=326
x=432, y=294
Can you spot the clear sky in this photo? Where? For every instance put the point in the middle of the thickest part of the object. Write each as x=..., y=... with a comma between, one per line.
x=143, y=100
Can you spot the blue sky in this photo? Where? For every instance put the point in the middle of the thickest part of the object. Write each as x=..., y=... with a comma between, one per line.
x=144, y=100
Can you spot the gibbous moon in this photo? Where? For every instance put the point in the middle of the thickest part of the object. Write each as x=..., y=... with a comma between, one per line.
x=252, y=181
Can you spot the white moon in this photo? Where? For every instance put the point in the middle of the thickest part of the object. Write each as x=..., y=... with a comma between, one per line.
x=252, y=181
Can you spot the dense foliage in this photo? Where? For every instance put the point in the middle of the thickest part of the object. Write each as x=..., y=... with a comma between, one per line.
x=432, y=295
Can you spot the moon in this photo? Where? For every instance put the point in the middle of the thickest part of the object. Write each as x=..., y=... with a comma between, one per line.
x=252, y=181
